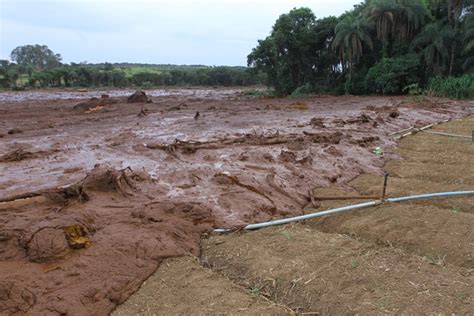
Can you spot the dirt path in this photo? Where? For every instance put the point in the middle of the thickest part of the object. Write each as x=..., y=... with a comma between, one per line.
x=165, y=178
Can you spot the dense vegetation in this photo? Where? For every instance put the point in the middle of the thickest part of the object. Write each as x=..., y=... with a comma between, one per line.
x=380, y=46
x=38, y=66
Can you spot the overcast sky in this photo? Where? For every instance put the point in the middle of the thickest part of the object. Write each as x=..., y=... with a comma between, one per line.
x=210, y=32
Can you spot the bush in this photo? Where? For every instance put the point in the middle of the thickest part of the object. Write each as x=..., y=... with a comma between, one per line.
x=391, y=75
x=302, y=91
x=453, y=87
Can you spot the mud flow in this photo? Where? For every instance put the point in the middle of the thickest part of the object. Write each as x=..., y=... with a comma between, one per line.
x=96, y=192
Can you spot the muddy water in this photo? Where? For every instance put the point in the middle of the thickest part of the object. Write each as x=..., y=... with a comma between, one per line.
x=64, y=95
x=242, y=161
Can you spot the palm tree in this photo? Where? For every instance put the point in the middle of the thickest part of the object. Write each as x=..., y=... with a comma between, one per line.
x=410, y=16
x=382, y=12
x=351, y=35
x=455, y=9
x=433, y=43
x=469, y=40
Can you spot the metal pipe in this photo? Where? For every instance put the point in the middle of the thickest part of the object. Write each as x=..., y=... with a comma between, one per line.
x=448, y=134
x=429, y=196
x=349, y=208
x=309, y=216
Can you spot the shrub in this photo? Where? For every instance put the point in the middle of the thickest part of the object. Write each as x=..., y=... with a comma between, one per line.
x=391, y=75
x=453, y=87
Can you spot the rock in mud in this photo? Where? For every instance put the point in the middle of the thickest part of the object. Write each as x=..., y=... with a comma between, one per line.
x=139, y=97
x=363, y=118
x=317, y=122
x=394, y=114
x=15, y=131
x=327, y=138
x=47, y=244
x=287, y=156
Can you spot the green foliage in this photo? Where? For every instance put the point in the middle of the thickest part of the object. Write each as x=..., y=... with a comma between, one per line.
x=453, y=87
x=397, y=19
x=380, y=46
x=38, y=56
x=302, y=91
x=351, y=35
x=391, y=75
x=433, y=44
x=296, y=52
x=413, y=89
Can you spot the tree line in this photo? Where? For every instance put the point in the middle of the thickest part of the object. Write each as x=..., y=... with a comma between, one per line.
x=38, y=66
x=380, y=46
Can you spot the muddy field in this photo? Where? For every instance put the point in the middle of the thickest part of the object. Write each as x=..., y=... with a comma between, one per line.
x=96, y=196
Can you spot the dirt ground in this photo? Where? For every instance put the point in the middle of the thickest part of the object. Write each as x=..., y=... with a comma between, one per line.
x=113, y=191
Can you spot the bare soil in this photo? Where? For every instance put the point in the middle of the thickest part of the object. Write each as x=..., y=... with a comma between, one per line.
x=182, y=286
x=96, y=200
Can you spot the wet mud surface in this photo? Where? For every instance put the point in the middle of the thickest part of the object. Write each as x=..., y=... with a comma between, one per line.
x=114, y=191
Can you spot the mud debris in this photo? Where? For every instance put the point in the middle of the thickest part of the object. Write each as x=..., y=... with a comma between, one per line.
x=95, y=104
x=47, y=244
x=224, y=174
x=139, y=96
x=14, y=131
x=18, y=154
x=317, y=122
x=77, y=236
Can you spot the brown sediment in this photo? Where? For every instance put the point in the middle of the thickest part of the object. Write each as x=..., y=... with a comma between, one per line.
x=234, y=165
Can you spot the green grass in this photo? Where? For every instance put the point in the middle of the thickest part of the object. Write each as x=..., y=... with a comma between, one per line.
x=453, y=87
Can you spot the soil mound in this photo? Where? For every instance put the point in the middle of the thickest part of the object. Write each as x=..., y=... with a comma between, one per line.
x=139, y=97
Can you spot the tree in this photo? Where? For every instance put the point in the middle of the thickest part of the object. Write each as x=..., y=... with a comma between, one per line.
x=287, y=55
x=351, y=35
x=382, y=12
x=38, y=56
x=433, y=45
x=410, y=17
x=397, y=19
x=469, y=41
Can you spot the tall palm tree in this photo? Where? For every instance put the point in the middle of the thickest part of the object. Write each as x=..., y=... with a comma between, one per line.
x=455, y=9
x=350, y=37
x=351, y=34
x=468, y=31
x=433, y=43
x=382, y=13
x=409, y=17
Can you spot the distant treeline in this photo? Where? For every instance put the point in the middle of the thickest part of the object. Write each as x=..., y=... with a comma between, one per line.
x=37, y=66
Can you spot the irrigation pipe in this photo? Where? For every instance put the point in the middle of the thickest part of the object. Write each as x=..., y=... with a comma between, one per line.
x=448, y=134
x=350, y=208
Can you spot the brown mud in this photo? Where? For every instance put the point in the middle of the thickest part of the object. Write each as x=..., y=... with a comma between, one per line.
x=164, y=179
